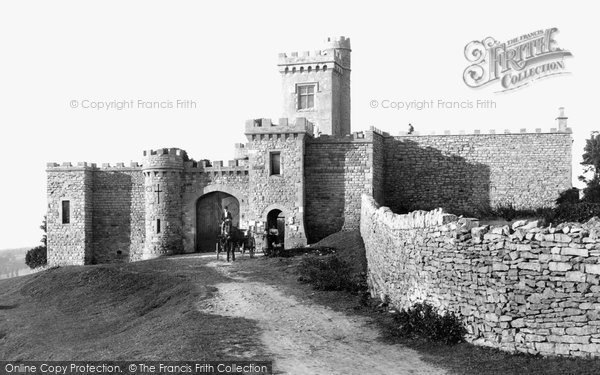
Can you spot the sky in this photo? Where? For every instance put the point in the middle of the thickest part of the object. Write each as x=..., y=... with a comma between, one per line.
x=61, y=58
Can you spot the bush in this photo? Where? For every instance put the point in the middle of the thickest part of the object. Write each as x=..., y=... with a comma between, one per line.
x=36, y=257
x=591, y=193
x=330, y=273
x=424, y=320
x=568, y=196
x=575, y=212
x=507, y=211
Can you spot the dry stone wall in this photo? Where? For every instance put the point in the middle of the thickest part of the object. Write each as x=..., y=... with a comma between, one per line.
x=520, y=288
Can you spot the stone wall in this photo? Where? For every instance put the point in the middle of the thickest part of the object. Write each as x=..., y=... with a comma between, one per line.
x=69, y=243
x=378, y=165
x=319, y=187
x=284, y=191
x=465, y=173
x=107, y=213
x=337, y=172
x=200, y=179
x=521, y=288
x=118, y=214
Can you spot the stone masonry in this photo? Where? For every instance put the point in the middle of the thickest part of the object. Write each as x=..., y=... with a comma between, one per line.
x=309, y=168
x=520, y=288
x=338, y=171
x=284, y=191
x=465, y=172
x=327, y=71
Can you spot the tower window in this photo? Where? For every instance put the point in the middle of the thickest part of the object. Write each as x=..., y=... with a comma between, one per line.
x=306, y=96
x=275, y=163
x=157, y=225
x=66, y=212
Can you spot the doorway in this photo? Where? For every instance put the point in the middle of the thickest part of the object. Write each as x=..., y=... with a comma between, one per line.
x=276, y=227
x=209, y=210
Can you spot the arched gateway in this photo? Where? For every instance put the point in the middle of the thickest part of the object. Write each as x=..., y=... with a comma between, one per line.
x=209, y=209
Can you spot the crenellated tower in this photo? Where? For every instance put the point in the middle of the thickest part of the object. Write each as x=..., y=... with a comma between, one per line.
x=316, y=86
x=163, y=169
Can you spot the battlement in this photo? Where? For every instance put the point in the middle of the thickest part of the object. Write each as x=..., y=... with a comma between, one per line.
x=68, y=166
x=358, y=137
x=237, y=166
x=330, y=54
x=485, y=132
x=266, y=126
x=164, y=158
x=121, y=166
x=240, y=151
x=166, y=151
x=340, y=42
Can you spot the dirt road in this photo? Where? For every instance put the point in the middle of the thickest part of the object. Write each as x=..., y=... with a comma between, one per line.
x=307, y=338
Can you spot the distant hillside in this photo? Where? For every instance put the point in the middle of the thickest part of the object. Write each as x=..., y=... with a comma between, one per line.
x=2, y=251
x=12, y=262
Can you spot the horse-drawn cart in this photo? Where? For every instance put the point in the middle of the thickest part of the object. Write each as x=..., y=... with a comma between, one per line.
x=232, y=239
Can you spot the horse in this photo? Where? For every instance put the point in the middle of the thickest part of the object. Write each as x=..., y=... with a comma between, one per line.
x=230, y=239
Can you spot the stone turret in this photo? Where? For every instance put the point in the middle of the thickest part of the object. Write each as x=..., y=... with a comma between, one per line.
x=163, y=170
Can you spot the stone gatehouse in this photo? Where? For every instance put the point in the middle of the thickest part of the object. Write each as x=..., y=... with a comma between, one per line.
x=303, y=174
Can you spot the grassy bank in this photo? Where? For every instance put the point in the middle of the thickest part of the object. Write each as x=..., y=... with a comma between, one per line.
x=145, y=310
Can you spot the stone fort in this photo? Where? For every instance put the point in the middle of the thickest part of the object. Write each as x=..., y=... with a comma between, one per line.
x=304, y=174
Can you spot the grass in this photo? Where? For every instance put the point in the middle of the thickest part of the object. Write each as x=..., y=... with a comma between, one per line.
x=330, y=272
x=139, y=311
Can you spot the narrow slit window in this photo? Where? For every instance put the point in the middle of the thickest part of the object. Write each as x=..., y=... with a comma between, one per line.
x=275, y=163
x=157, y=225
x=66, y=212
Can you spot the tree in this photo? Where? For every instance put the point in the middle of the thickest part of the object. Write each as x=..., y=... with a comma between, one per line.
x=591, y=154
x=44, y=227
x=591, y=163
x=38, y=256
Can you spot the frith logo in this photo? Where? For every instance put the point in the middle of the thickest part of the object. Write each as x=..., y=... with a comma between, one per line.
x=515, y=63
